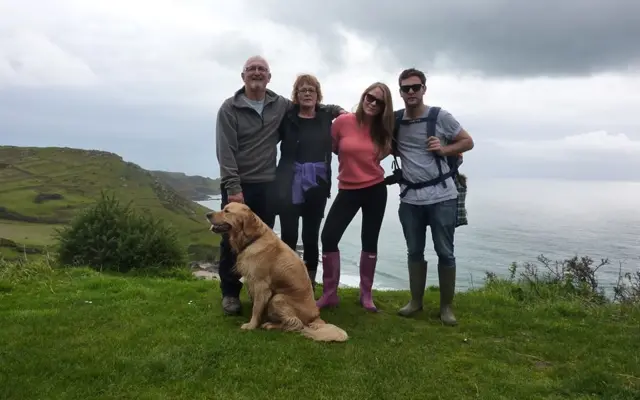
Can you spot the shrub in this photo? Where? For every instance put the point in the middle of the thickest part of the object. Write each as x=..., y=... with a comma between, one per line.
x=571, y=278
x=627, y=290
x=110, y=236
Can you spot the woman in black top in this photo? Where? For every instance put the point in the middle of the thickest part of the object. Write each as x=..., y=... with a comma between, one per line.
x=303, y=175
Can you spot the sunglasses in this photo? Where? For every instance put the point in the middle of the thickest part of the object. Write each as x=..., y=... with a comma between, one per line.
x=371, y=99
x=415, y=87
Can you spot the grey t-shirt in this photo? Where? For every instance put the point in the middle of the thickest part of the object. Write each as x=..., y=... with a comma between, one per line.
x=257, y=105
x=419, y=165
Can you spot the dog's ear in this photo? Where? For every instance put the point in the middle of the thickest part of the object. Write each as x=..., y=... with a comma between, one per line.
x=236, y=234
x=238, y=222
x=250, y=224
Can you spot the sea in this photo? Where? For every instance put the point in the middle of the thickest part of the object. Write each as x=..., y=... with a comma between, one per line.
x=511, y=220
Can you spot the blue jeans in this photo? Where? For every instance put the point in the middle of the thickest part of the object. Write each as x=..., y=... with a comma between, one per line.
x=441, y=217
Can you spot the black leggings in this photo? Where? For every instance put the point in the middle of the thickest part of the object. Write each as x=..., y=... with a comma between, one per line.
x=372, y=200
x=311, y=212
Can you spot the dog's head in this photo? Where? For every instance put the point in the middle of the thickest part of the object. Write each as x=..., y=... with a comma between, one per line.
x=238, y=221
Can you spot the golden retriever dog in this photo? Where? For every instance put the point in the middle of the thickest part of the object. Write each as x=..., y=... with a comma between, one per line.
x=275, y=276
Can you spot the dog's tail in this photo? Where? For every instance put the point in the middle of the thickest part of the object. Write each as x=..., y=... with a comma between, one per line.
x=320, y=331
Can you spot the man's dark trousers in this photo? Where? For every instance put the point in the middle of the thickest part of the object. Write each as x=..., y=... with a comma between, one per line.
x=256, y=196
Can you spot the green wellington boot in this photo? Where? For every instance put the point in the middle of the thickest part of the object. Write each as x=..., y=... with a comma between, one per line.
x=417, y=282
x=447, y=278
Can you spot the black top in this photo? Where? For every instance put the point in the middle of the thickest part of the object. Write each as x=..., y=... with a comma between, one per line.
x=302, y=140
x=312, y=140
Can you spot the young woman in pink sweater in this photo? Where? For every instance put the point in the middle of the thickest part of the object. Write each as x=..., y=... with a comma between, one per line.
x=361, y=140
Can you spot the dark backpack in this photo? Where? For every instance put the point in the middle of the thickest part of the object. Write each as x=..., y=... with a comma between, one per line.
x=452, y=161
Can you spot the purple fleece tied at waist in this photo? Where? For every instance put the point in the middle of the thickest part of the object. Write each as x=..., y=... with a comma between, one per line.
x=304, y=178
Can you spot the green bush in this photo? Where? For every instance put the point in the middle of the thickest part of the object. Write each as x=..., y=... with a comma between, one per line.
x=110, y=236
x=573, y=278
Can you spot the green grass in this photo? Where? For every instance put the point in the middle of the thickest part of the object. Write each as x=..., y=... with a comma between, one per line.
x=10, y=253
x=79, y=334
x=79, y=176
x=28, y=233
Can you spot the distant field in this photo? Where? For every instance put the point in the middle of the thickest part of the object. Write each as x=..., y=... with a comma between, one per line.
x=44, y=188
x=26, y=233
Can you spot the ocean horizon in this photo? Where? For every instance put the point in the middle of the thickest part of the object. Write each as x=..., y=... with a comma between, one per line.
x=510, y=220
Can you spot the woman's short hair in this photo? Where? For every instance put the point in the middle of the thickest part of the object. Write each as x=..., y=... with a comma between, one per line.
x=307, y=79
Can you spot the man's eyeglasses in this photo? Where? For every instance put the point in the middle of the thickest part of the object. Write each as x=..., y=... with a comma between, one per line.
x=415, y=88
x=258, y=68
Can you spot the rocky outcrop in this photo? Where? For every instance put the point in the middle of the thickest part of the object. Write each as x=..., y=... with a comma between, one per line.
x=42, y=197
x=205, y=270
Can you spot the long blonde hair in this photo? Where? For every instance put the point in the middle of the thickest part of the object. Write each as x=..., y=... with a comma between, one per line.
x=382, y=124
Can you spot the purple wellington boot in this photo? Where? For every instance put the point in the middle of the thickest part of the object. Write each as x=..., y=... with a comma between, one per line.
x=330, y=280
x=367, y=272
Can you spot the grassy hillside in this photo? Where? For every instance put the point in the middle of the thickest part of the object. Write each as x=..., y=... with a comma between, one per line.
x=193, y=187
x=43, y=188
x=79, y=334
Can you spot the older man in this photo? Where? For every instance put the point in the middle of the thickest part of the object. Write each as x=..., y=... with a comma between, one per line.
x=246, y=146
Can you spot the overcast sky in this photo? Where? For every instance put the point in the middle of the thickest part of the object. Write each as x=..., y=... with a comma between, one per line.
x=545, y=88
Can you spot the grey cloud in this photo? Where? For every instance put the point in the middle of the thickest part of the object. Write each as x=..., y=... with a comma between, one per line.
x=499, y=126
x=153, y=137
x=89, y=113
x=496, y=38
x=232, y=51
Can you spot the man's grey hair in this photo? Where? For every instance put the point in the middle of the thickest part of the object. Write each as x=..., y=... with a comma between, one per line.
x=255, y=58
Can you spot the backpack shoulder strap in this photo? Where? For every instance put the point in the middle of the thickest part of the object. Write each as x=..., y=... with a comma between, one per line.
x=432, y=119
x=398, y=114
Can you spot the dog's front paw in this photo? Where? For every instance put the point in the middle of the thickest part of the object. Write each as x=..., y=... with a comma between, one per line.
x=248, y=326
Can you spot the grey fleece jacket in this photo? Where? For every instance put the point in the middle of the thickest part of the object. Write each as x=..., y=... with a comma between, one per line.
x=246, y=142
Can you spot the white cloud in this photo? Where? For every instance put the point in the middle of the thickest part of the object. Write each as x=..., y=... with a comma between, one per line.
x=574, y=146
x=28, y=58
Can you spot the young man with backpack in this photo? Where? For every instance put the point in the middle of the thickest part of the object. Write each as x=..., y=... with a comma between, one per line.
x=429, y=142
